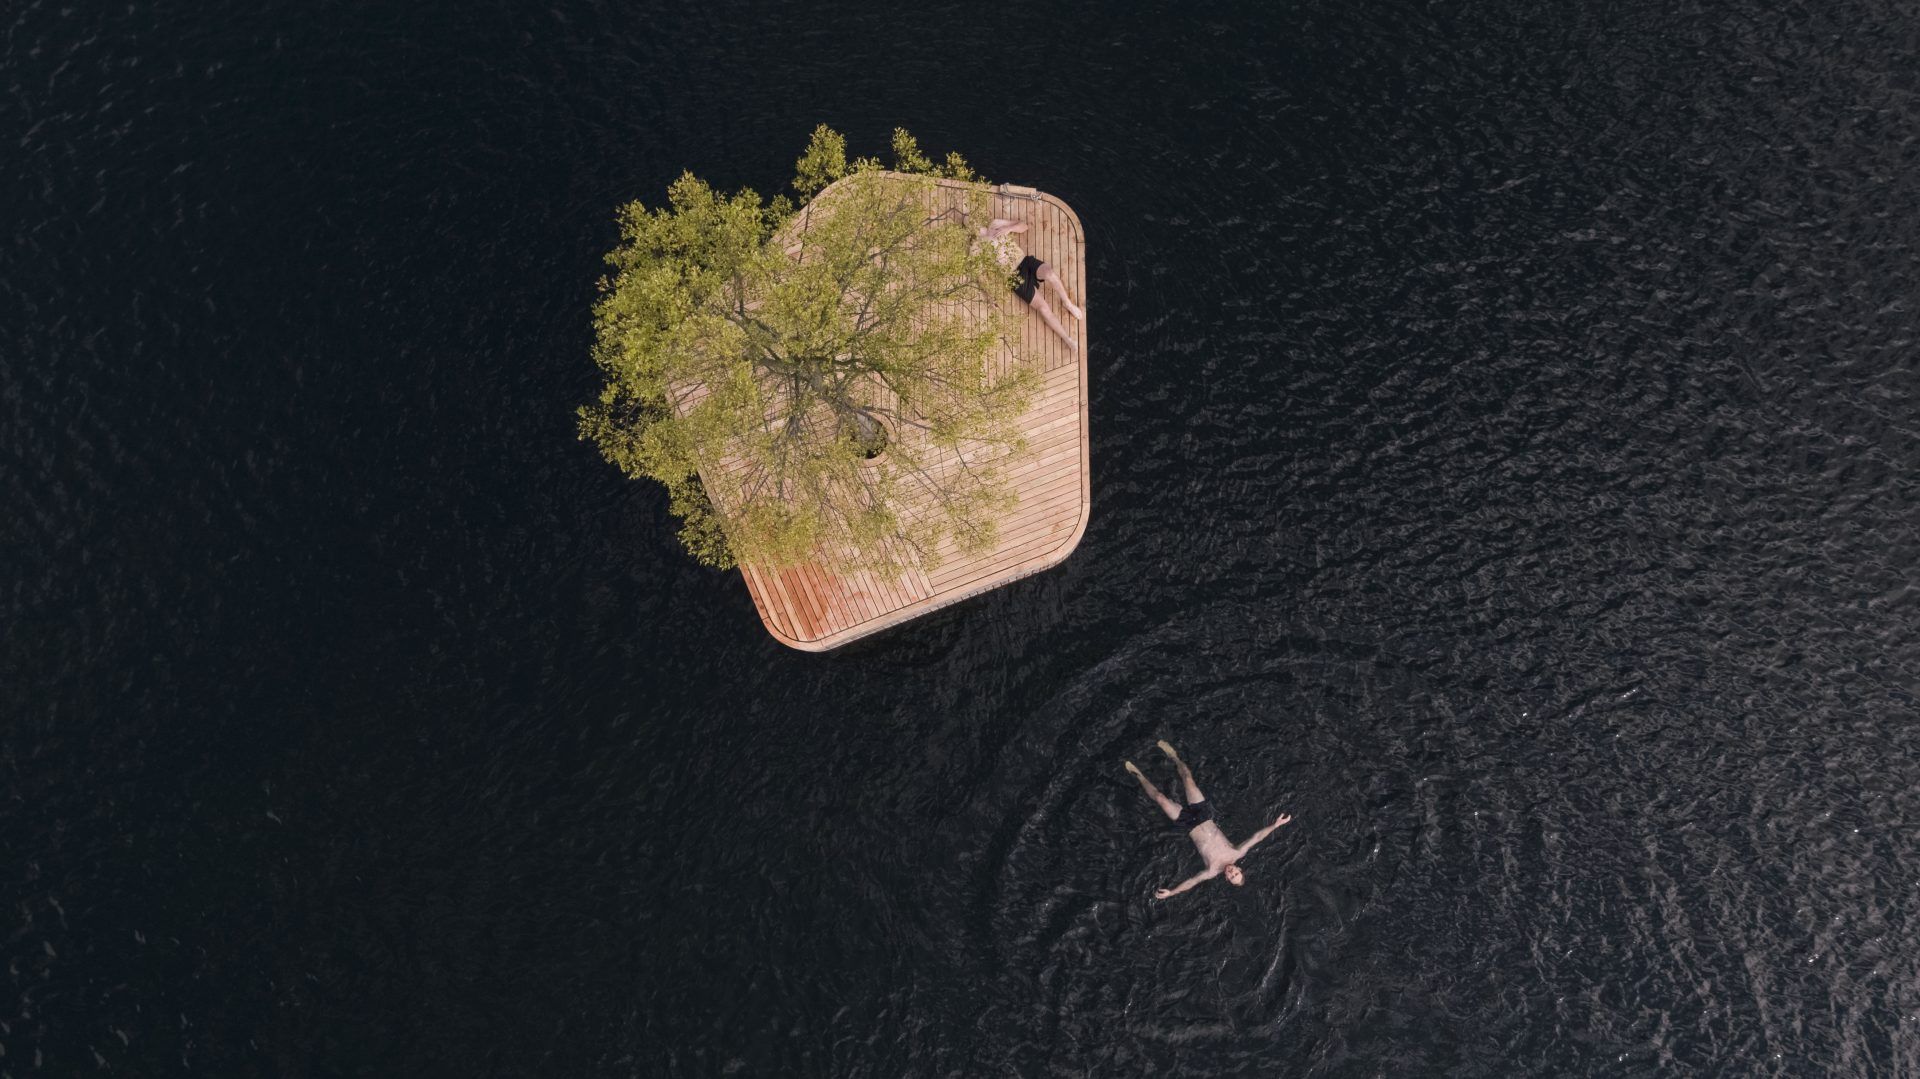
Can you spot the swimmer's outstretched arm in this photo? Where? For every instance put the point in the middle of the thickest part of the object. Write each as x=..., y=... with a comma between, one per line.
x=1164, y=893
x=1263, y=833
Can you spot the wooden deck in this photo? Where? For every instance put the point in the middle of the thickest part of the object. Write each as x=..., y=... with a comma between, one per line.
x=810, y=608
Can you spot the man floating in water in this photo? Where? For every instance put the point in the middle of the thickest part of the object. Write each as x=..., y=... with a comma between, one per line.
x=1196, y=819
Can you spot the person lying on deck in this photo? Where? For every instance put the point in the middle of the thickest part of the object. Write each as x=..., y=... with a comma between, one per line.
x=1196, y=819
x=1031, y=274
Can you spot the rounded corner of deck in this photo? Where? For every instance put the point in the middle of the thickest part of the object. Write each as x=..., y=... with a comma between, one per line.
x=1072, y=542
x=796, y=643
x=1079, y=230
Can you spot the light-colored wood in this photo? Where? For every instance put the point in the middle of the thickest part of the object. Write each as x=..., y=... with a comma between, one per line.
x=813, y=609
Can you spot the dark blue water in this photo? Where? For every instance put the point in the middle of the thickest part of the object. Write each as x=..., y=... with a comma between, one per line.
x=1504, y=447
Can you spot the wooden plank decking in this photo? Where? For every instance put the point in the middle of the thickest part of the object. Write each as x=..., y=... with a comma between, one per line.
x=810, y=608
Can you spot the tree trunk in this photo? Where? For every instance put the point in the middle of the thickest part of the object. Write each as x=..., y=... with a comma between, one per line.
x=868, y=433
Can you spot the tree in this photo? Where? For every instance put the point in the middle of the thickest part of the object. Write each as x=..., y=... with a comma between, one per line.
x=814, y=382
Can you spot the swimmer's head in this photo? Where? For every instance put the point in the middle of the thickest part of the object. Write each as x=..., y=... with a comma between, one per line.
x=1234, y=876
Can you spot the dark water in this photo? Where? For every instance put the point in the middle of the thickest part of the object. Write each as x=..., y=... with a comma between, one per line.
x=1504, y=447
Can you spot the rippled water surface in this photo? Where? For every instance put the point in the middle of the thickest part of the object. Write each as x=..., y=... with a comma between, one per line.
x=1504, y=448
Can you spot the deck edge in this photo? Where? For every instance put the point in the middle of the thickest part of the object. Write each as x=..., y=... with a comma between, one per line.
x=1039, y=564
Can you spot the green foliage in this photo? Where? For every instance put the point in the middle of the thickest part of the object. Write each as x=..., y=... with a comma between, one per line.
x=824, y=162
x=755, y=355
x=908, y=158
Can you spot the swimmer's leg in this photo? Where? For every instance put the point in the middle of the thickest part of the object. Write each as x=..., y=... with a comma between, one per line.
x=1186, y=776
x=1165, y=803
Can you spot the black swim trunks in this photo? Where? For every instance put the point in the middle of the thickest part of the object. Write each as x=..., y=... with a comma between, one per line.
x=1193, y=815
x=1029, y=274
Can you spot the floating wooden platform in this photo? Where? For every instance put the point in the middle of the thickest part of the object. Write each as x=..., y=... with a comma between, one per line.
x=810, y=608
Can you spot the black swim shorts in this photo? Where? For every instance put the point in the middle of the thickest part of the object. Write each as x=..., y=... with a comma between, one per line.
x=1029, y=273
x=1193, y=815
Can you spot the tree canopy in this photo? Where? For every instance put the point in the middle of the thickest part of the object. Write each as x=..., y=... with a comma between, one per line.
x=803, y=376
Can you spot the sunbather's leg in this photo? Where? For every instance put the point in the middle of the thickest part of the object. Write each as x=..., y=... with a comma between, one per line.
x=1049, y=276
x=1045, y=310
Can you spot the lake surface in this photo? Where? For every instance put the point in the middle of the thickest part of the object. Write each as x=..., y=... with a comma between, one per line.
x=1504, y=448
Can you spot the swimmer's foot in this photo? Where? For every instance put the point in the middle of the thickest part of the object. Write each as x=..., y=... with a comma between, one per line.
x=1135, y=769
x=1168, y=750
x=1077, y=312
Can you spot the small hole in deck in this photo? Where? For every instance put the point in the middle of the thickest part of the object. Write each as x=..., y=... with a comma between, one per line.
x=872, y=441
